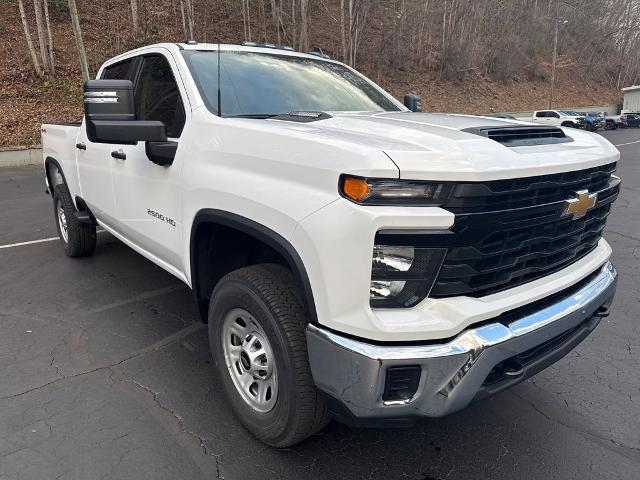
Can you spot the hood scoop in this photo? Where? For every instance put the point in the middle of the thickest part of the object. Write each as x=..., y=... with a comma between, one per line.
x=522, y=136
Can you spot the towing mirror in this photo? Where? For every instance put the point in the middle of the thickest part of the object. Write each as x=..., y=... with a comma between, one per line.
x=110, y=114
x=413, y=103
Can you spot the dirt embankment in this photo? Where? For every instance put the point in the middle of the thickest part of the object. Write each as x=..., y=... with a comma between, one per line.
x=27, y=101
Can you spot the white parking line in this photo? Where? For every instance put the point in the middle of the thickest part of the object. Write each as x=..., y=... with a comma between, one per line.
x=42, y=240
x=628, y=143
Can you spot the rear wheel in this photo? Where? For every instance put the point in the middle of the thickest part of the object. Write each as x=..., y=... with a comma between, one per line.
x=258, y=343
x=78, y=239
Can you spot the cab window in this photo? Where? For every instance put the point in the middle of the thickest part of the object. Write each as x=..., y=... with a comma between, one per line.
x=118, y=71
x=157, y=96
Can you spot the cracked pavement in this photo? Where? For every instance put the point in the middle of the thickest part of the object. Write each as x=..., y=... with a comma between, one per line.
x=105, y=374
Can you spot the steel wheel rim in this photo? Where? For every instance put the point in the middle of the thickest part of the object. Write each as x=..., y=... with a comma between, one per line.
x=62, y=222
x=249, y=360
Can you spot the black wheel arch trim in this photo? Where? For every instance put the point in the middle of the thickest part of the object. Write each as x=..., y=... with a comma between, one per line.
x=83, y=213
x=52, y=161
x=264, y=234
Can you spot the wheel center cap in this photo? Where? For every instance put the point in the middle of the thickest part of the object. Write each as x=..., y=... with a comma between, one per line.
x=244, y=360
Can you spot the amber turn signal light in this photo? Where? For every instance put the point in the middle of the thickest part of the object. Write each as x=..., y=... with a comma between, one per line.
x=355, y=188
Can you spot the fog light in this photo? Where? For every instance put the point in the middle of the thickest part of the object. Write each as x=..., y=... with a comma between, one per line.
x=401, y=276
x=385, y=289
x=390, y=258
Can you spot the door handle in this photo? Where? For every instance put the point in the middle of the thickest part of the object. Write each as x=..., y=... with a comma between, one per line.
x=119, y=154
x=81, y=146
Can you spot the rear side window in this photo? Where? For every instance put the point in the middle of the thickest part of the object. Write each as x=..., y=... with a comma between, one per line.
x=157, y=96
x=119, y=71
x=541, y=114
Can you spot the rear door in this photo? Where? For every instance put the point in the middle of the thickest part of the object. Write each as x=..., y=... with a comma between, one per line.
x=95, y=162
x=553, y=118
x=148, y=196
x=540, y=117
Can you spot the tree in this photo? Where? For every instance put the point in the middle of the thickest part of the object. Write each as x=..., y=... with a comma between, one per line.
x=45, y=63
x=352, y=27
x=77, y=33
x=134, y=17
x=186, y=9
x=42, y=37
x=47, y=22
x=27, y=34
x=276, y=18
x=303, y=40
x=246, y=20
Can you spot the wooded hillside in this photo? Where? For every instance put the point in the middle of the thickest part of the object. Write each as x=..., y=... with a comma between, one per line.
x=472, y=56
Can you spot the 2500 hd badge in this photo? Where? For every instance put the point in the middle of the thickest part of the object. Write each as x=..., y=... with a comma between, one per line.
x=160, y=216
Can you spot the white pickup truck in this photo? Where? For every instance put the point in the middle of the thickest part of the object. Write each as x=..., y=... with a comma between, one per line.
x=562, y=118
x=352, y=258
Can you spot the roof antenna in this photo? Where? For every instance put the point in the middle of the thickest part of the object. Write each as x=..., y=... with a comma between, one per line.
x=219, y=99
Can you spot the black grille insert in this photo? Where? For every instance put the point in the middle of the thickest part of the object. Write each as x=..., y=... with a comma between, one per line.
x=511, y=232
x=525, y=192
x=502, y=249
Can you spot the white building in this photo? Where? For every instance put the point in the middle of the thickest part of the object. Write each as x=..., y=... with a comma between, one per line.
x=631, y=102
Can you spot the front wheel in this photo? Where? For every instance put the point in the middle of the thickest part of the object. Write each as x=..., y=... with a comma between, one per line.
x=258, y=342
x=78, y=239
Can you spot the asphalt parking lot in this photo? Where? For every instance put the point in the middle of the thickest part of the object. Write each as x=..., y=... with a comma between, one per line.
x=105, y=374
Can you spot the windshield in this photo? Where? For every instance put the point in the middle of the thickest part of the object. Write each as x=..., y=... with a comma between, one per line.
x=570, y=113
x=267, y=84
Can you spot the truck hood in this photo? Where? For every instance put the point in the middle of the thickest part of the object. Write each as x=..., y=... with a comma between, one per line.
x=428, y=146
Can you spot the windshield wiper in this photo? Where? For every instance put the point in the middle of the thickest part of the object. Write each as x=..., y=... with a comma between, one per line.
x=298, y=116
x=256, y=115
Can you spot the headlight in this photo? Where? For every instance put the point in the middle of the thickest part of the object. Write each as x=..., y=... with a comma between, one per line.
x=401, y=276
x=375, y=191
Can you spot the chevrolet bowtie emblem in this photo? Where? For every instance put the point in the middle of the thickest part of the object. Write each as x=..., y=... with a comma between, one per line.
x=579, y=206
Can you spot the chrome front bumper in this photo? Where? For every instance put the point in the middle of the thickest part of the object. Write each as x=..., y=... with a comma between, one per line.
x=478, y=362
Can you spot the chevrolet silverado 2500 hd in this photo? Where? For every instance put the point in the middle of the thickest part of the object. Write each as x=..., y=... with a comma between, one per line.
x=352, y=258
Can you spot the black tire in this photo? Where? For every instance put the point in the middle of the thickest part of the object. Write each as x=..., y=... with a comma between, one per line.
x=80, y=239
x=269, y=293
x=568, y=124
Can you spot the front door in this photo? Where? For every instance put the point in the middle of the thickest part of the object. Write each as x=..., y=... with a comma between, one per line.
x=95, y=161
x=148, y=196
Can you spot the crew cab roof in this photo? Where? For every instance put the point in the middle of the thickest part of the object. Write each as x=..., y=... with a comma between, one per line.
x=176, y=47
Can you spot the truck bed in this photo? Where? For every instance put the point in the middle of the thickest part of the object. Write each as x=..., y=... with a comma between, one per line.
x=59, y=143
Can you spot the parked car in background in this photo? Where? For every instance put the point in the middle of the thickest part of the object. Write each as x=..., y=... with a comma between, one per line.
x=501, y=115
x=593, y=121
x=618, y=121
x=561, y=118
x=632, y=120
